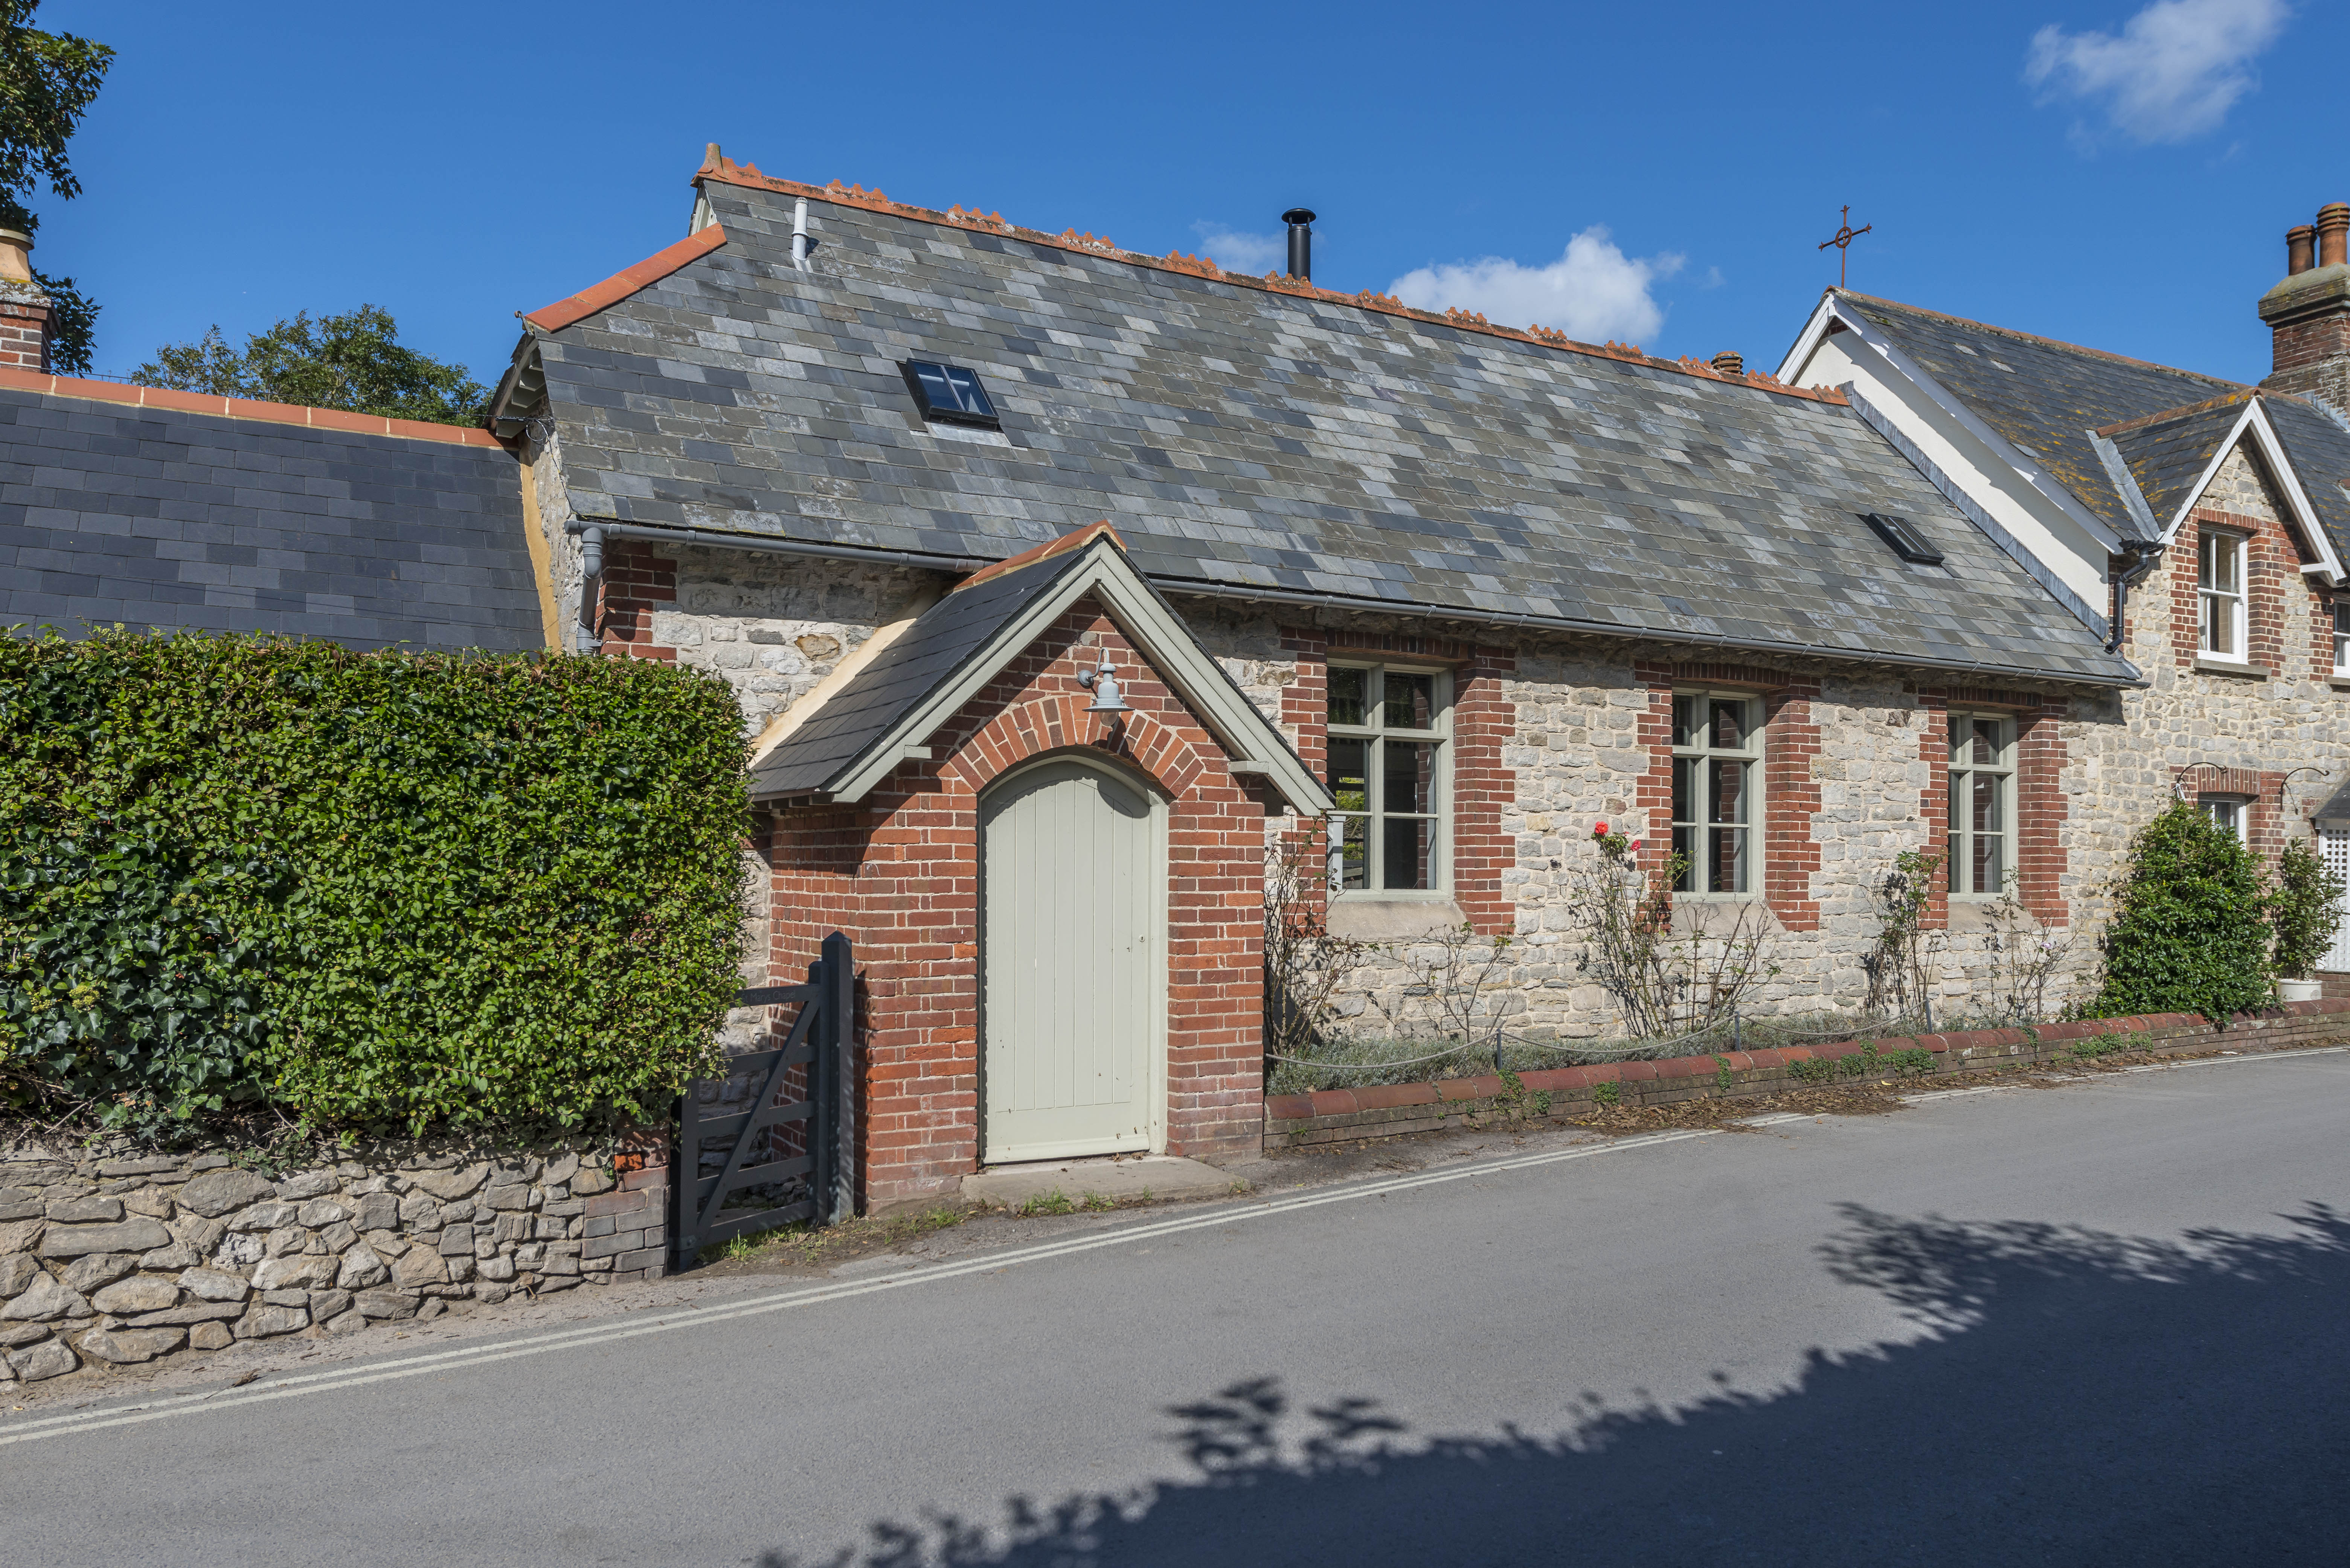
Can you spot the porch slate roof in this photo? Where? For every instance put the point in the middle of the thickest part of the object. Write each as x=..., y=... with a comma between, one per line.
x=160, y=518
x=942, y=641
x=1245, y=438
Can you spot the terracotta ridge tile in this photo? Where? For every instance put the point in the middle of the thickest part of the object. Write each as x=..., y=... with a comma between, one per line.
x=726, y=172
x=244, y=408
x=620, y=285
x=2034, y=338
x=1074, y=539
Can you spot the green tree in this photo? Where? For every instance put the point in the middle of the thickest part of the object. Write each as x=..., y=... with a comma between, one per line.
x=353, y=361
x=2191, y=934
x=47, y=83
x=2306, y=910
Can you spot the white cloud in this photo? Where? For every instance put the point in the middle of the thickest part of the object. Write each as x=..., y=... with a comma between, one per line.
x=2174, y=71
x=1236, y=252
x=1594, y=292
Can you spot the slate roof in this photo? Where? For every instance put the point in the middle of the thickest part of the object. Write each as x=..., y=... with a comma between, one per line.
x=1249, y=438
x=2167, y=453
x=2047, y=397
x=156, y=518
x=942, y=641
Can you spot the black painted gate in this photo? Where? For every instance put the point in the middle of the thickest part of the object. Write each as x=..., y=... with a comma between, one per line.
x=771, y=1143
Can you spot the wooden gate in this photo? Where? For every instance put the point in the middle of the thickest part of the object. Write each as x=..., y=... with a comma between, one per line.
x=771, y=1143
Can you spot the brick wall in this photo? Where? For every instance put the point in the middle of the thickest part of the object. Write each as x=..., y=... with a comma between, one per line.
x=2041, y=860
x=1395, y=1110
x=24, y=335
x=1791, y=791
x=900, y=874
x=635, y=581
x=2273, y=579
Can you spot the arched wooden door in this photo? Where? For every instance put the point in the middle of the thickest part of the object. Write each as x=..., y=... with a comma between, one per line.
x=1072, y=976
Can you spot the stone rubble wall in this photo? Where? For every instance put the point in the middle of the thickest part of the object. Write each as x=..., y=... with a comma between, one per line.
x=119, y=1261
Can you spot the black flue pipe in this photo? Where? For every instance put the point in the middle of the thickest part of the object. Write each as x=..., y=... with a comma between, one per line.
x=1301, y=241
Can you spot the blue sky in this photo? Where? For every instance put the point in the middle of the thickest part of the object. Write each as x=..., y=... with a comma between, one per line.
x=2119, y=174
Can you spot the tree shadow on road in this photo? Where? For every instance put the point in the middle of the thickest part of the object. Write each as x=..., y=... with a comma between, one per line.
x=2081, y=1398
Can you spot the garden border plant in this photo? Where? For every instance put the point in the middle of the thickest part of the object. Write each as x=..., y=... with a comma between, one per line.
x=378, y=891
x=2189, y=932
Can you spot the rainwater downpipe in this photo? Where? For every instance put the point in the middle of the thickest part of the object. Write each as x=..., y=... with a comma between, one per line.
x=2142, y=559
x=591, y=569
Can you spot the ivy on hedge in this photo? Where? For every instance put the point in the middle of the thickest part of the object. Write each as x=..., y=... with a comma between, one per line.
x=389, y=888
x=2191, y=933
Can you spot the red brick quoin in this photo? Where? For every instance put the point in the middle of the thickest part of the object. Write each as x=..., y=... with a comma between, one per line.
x=1483, y=719
x=899, y=872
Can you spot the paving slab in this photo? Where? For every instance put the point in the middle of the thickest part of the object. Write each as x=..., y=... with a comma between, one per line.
x=1152, y=1176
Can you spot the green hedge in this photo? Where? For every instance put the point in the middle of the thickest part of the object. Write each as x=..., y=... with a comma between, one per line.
x=2191, y=933
x=389, y=889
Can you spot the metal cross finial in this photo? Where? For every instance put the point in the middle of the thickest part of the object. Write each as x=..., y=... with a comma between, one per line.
x=1846, y=234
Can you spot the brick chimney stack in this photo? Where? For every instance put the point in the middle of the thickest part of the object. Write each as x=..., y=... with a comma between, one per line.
x=2309, y=312
x=23, y=307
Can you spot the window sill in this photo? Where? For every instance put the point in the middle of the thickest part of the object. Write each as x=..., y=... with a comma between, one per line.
x=1393, y=917
x=2339, y=682
x=2206, y=665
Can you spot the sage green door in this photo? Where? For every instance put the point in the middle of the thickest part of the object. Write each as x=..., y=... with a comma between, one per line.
x=1073, y=991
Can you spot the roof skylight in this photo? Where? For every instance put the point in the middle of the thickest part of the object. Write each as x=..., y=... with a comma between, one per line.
x=1904, y=536
x=950, y=393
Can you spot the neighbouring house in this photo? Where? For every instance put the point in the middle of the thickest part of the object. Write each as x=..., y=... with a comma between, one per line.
x=1058, y=582
x=2201, y=524
x=167, y=511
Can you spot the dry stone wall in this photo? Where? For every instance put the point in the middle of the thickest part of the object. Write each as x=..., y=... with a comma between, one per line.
x=118, y=1260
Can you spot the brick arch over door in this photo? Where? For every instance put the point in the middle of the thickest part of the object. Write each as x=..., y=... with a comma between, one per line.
x=899, y=872
x=1043, y=725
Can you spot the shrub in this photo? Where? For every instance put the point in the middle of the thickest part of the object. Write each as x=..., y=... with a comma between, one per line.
x=386, y=889
x=2307, y=910
x=2189, y=934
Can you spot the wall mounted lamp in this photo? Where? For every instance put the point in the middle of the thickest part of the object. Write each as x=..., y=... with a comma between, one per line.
x=1103, y=683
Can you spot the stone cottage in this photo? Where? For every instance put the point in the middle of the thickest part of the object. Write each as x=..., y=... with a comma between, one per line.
x=1059, y=583
x=1488, y=587
x=2199, y=524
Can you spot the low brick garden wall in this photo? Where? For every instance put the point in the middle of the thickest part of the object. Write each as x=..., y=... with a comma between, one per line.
x=1343, y=1115
x=123, y=1260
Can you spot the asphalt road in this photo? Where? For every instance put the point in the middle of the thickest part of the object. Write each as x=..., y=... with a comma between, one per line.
x=2099, y=1323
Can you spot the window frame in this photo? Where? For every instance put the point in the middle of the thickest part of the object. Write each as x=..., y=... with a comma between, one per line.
x=990, y=420
x=2236, y=806
x=1376, y=732
x=1756, y=818
x=2239, y=547
x=1959, y=844
x=2338, y=609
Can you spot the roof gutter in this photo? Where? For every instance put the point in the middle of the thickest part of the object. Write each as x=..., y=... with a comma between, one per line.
x=1194, y=588
x=764, y=545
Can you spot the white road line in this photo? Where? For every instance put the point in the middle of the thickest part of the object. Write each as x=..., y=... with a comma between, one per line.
x=2228, y=1059
x=461, y=1357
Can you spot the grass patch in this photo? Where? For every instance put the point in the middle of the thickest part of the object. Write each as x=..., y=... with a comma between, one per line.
x=805, y=1243
x=1358, y=1063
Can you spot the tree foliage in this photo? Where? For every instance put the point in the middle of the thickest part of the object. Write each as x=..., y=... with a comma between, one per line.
x=48, y=81
x=2307, y=910
x=353, y=361
x=2191, y=933
x=390, y=889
